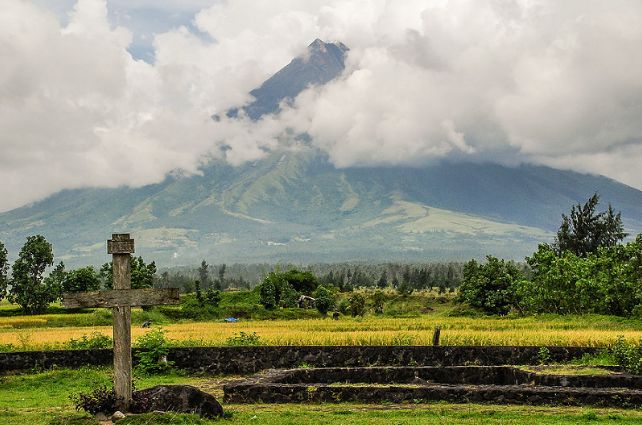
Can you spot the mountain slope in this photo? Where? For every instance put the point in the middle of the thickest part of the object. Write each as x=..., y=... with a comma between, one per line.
x=294, y=205
x=322, y=63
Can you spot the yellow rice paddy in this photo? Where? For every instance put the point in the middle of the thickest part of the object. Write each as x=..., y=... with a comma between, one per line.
x=348, y=331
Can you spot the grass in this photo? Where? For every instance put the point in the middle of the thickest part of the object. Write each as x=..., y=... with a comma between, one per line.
x=568, y=370
x=43, y=398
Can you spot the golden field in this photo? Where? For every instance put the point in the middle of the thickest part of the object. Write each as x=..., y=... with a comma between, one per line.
x=548, y=330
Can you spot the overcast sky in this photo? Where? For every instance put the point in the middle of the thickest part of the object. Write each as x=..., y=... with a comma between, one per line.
x=106, y=93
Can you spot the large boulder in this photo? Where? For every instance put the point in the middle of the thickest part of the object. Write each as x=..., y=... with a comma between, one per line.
x=176, y=398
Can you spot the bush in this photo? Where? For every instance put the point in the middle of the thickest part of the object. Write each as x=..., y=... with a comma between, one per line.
x=628, y=356
x=268, y=293
x=357, y=305
x=344, y=306
x=284, y=288
x=243, y=339
x=99, y=400
x=378, y=300
x=289, y=297
x=80, y=280
x=213, y=297
x=491, y=286
x=324, y=300
x=604, y=282
x=152, y=352
x=95, y=340
x=544, y=355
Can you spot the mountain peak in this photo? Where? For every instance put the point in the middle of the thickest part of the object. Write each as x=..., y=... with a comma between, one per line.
x=317, y=43
x=322, y=63
x=320, y=47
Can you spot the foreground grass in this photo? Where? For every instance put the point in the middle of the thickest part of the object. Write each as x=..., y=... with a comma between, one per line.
x=348, y=414
x=43, y=398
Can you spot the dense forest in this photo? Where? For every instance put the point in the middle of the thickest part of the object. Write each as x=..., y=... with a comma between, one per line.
x=345, y=276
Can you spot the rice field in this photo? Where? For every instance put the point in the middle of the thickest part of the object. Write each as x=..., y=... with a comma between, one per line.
x=594, y=331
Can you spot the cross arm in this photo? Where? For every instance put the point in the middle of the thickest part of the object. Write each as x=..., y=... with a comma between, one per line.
x=121, y=298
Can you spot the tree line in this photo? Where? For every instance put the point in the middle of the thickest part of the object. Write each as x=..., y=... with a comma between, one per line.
x=29, y=287
x=586, y=269
x=441, y=276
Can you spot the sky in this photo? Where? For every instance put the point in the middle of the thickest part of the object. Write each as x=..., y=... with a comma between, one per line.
x=121, y=92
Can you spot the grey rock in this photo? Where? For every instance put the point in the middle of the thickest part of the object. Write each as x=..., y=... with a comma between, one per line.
x=118, y=415
x=177, y=398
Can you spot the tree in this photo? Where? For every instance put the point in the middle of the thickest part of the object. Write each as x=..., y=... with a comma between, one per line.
x=284, y=288
x=605, y=282
x=490, y=286
x=395, y=282
x=80, y=280
x=27, y=289
x=203, y=274
x=378, y=300
x=405, y=288
x=213, y=297
x=357, y=305
x=269, y=296
x=55, y=279
x=142, y=274
x=584, y=231
x=221, y=277
x=324, y=300
x=199, y=294
x=383, y=280
x=4, y=269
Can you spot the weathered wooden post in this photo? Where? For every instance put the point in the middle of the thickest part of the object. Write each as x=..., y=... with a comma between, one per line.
x=121, y=247
x=121, y=299
x=435, y=336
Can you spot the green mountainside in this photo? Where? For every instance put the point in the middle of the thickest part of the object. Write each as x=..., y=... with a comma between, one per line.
x=295, y=206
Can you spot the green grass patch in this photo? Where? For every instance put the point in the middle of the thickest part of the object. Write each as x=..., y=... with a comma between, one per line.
x=568, y=370
x=43, y=399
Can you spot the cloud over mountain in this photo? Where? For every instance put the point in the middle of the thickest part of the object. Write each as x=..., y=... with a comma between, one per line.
x=542, y=81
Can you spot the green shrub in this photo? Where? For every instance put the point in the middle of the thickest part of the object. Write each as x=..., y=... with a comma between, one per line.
x=99, y=400
x=153, y=348
x=95, y=340
x=269, y=298
x=378, y=300
x=628, y=356
x=324, y=300
x=212, y=297
x=6, y=348
x=283, y=288
x=344, y=306
x=243, y=339
x=490, y=286
x=544, y=355
x=357, y=305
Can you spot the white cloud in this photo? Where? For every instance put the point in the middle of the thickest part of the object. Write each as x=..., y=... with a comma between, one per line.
x=543, y=81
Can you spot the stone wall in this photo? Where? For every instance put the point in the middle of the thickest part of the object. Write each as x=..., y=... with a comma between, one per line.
x=494, y=394
x=253, y=359
x=242, y=360
x=46, y=359
x=457, y=384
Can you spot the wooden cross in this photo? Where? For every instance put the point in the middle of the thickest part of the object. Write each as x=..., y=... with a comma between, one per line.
x=122, y=298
